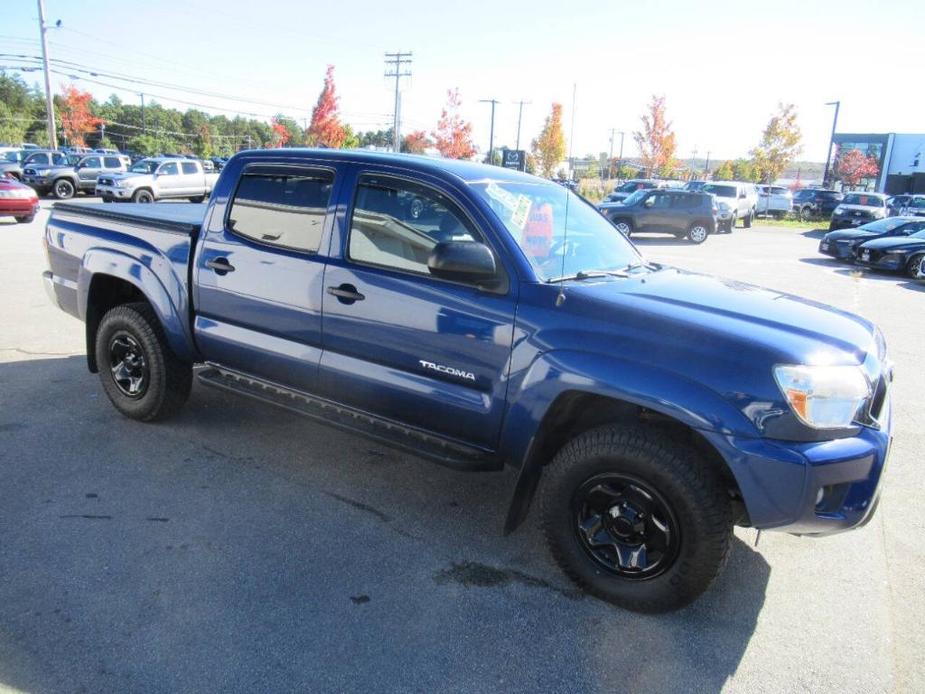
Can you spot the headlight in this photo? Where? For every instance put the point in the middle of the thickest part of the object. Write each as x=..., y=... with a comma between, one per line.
x=121, y=184
x=42, y=172
x=824, y=397
x=839, y=210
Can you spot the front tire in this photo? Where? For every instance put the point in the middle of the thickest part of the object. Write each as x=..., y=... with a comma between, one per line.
x=912, y=266
x=634, y=519
x=24, y=220
x=141, y=375
x=63, y=189
x=143, y=196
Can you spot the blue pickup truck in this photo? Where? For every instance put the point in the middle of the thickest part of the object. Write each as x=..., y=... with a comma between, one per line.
x=481, y=317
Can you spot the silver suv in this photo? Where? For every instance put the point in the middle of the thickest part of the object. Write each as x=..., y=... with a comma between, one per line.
x=735, y=200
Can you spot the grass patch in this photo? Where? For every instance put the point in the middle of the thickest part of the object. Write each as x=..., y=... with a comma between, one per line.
x=792, y=223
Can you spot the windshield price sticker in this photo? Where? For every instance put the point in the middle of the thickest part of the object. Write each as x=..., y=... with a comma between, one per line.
x=506, y=198
x=521, y=212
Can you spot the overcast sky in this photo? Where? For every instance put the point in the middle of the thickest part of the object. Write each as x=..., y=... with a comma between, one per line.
x=721, y=66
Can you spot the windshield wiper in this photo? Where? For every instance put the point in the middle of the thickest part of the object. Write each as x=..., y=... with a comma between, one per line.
x=587, y=275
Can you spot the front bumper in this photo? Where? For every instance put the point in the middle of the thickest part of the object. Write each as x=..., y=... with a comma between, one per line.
x=892, y=262
x=817, y=488
x=114, y=193
x=41, y=184
x=18, y=207
x=837, y=249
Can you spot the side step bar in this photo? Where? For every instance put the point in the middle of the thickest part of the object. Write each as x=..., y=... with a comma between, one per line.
x=387, y=432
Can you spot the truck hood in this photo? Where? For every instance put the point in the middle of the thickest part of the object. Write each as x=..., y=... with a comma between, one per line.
x=735, y=315
x=118, y=176
x=858, y=234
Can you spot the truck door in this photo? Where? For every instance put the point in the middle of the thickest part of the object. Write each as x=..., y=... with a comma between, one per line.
x=168, y=179
x=87, y=171
x=194, y=181
x=258, y=274
x=398, y=342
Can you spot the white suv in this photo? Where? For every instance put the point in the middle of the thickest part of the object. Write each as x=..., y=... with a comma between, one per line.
x=735, y=200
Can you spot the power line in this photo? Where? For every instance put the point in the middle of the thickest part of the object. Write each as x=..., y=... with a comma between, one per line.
x=395, y=61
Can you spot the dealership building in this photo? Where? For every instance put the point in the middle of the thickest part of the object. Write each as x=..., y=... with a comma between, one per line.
x=901, y=157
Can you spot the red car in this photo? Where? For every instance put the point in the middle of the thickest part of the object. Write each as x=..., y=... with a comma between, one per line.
x=17, y=200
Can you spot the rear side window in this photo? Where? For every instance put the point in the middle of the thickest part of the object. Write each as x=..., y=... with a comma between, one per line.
x=397, y=223
x=91, y=163
x=111, y=163
x=686, y=202
x=189, y=167
x=282, y=209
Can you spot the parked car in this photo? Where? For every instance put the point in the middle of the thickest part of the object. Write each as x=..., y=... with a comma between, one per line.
x=677, y=212
x=858, y=208
x=896, y=203
x=17, y=200
x=157, y=179
x=894, y=254
x=695, y=186
x=651, y=408
x=774, y=201
x=627, y=188
x=207, y=165
x=734, y=200
x=66, y=180
x=842, y=244
x=913, y=205
x=33, y=158
x=815, y=203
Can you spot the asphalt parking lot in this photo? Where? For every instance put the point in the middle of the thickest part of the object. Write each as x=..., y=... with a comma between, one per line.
x=240, y=548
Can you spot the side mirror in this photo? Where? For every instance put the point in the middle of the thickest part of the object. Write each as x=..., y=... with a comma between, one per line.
x=462, y=261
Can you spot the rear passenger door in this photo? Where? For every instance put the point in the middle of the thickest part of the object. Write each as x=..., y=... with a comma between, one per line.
x=192, y=178
x=399, y=343
x=259, y=274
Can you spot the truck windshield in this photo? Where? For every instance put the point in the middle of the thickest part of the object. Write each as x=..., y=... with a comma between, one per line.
x=144, y=166
x=560, y=234
x=720, y=191
x=865, y=200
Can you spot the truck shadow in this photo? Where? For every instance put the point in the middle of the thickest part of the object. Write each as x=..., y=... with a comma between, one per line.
x=238, y=547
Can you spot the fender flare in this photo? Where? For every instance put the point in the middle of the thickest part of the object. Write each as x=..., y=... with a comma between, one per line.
x=558, y=373
x=169, y=304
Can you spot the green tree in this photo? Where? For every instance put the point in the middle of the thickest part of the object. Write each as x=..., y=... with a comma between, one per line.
x=656, y=141
x=780, y=143
x=549, y=146
x=724, y=172
x=744, y=170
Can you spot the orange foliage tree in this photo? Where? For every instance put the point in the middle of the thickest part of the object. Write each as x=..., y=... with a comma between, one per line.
x=77, y=120
x=852, y=165
x=326, y=130
x=453, y=136
x=656, y=140
x=415, y=142
x=280, y=133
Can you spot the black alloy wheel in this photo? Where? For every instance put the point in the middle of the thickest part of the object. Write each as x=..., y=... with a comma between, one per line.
x=128, y=365
x=625, y=526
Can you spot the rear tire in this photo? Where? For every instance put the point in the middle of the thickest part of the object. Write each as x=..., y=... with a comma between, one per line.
x=141, y=375
x=624, y=226
x=659, y=547
x=747, y=222
x=697, y=233
x=63, y=189
x=912, y=266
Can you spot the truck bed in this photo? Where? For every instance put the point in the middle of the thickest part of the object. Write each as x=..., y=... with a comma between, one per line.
x=170, y=216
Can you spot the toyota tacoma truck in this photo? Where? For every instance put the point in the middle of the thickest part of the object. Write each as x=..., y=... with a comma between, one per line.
x=647, y=410
x=157, y=178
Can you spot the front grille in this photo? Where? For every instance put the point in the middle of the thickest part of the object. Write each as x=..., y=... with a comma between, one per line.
x=867, y=255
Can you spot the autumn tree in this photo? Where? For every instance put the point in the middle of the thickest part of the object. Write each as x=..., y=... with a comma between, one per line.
x=453, y=136
x=744, y=170
x=852, y=165
x=416, y=142
x=326, y=130
x=281, y=134
x=77, y=120
x=724, y=172
x=656, y=140
x=549, y=146
x=780, y=143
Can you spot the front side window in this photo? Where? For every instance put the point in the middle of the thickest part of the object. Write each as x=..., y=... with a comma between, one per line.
x=397, y=223
x=91, y=163
x=285, y=209
x=145, y=166
x=560, y=234
x=189, y=168
x=168, y=169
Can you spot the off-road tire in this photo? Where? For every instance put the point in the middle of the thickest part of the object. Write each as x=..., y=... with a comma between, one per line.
x=143, y=196
x=690, y=486
x=63, y=189
x=169, y=378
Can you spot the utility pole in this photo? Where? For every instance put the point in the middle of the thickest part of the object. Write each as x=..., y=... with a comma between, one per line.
x=396, y=61
x=520, y=115
x=144, y=126
x=828, y=155
x=610, y=158
x=491, y=132
x=620, y=160
x=49, y=102
x=706, y=167
x=693, y=159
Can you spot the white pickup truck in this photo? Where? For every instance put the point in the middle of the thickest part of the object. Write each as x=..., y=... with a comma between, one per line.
x=157, y=178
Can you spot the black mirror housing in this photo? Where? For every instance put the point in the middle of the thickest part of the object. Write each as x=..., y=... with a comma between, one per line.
x=462, y=261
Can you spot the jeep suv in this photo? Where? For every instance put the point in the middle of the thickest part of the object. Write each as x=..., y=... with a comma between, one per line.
x=679, y=212
x=815, y=203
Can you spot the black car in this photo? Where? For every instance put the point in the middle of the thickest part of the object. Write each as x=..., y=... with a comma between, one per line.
x=895, y=254
x=679, y=212
x=842, y=244
x=815, y=203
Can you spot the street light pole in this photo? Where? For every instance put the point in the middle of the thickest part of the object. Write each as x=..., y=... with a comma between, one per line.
x=491, y=132
x=828, y=156
x=620, y=160
x=49, y=101
x=520, y=114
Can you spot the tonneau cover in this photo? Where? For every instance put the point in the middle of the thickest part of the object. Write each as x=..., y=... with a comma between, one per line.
x=172, y=216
